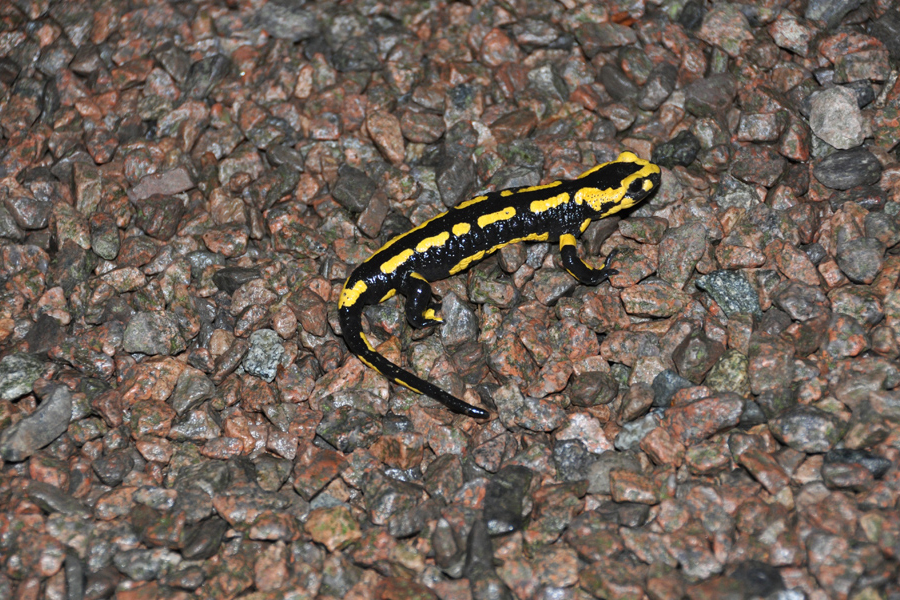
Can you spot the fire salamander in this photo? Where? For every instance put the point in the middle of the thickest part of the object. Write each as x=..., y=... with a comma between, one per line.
x=455, y=240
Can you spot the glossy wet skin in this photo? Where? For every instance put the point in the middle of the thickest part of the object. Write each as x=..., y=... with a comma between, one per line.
x=455, y=240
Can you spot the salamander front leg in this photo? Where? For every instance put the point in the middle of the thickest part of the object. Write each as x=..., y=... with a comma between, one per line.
x=577, y=267
x=418, y=296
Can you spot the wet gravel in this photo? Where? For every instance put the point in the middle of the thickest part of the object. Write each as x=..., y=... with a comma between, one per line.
x=185, y=186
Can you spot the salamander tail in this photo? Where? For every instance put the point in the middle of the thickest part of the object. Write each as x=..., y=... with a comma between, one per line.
x=358, y=344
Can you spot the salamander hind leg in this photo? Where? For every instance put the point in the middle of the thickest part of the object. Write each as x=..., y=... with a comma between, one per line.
x=577, y=267
x=419, y=311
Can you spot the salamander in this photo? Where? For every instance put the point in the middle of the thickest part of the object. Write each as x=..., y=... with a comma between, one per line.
x=455, y=240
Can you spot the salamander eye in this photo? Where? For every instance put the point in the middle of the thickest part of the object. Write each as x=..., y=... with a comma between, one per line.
x=636, y=188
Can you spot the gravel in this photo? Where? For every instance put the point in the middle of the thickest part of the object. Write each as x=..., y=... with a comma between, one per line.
x=185, y=187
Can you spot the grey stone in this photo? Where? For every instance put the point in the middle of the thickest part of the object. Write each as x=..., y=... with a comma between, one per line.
x=264, y=355
x=18, y=372
x=153, y=333
x=38, y=429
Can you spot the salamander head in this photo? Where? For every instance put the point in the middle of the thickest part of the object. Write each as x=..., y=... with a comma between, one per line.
x=617, y=185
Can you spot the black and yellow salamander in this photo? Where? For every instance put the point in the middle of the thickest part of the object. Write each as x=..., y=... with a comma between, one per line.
x=453, y=241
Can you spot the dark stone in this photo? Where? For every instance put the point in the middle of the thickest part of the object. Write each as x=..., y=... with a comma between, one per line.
x=878, y=466
x=230, y=279
x=44, y=334
x=284, y=155
x=205, y=74
x=9, y=71
x=29, y=212
x=773, y=402
x=665, y=385
x=75, y=576
x=830, y=11
x=680, y=150
x=657, y=88
x=455, y=180
x=617, y=83
x=176, y=61
x=692, y=14
x=752, y=415
x=696, y=355
x=112, y=468
x=357, y=54
x=887, y=29
x=815, y=252
x=70, y=266
x=353, y=189
x=49, y=421
x=347, y=429
x=479, y=565
x=710, y=96
x=758, y=579
x=524, y=153
x=869, y=197
x=632, y=514
x=845, y=169
x=593, y=387
x=53, y=500
x=159, y=215
x=503, y=500
x=202, y=541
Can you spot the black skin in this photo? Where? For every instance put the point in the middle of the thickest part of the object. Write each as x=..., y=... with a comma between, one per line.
x=454, y=240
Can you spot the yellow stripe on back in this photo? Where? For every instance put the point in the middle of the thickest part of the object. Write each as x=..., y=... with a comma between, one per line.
x=474, y=200
x=430, y=242
x=406, y=385
x=536, y=188
x=539, y=206
x=501, y=215
x=390, y=265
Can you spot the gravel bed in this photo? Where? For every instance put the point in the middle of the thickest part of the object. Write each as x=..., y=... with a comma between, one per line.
x=185, y=186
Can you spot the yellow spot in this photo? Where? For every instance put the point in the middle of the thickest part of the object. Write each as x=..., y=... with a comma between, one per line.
x=433, y=241
x=429, y=314
x=566, y=239
x=350, y=295
x=647, y=185
x=506, y=193
x=461, y=228
x=389, y=266
x=406, y=385
x=539, y=206
x=501, y=215
x=388, y=296
x=417, y=276
x=474, y=200
x=536, y=188
x=585, y=225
